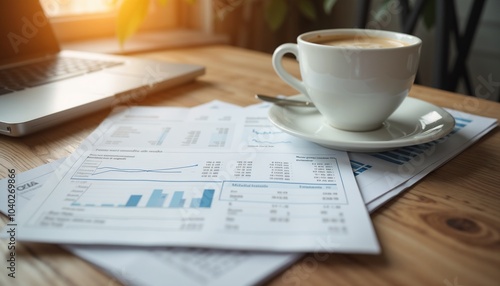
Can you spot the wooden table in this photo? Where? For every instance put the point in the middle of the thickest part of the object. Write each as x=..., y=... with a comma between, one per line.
x=445, y=230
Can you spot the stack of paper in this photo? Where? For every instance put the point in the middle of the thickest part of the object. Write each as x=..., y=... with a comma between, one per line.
x=217, y=176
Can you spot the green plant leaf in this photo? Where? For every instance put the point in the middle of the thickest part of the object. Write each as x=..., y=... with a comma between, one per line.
x=275, y=12
x=307, y=9
x=130, y=17
x=328, y=5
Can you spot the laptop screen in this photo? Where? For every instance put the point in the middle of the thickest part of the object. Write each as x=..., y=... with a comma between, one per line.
x=25, y=31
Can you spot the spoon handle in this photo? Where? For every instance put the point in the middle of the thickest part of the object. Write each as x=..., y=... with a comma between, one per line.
x=284, y=101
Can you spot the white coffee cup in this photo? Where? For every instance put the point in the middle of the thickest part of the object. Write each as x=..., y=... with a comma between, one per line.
x=356, y=77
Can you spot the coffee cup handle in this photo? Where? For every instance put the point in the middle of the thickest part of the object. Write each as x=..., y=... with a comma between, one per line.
x=282, y=73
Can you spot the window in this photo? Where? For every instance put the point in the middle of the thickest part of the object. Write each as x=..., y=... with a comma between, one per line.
x=75, y=20
x=61, y=8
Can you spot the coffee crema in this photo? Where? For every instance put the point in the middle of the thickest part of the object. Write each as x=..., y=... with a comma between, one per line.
x=355, y=41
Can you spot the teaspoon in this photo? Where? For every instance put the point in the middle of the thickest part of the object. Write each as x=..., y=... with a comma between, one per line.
x=284, y=101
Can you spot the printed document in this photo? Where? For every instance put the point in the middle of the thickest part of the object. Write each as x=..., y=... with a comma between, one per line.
x=217, y=267
x=201, y=177
x=383, y=175
x=182, y=266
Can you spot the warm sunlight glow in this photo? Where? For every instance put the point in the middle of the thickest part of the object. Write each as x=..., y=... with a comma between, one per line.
x=76, y=7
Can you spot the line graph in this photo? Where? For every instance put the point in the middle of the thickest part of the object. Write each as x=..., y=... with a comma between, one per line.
x=143, y=167
x=268, y=136
x=271, y=142
x=174, y=170
x=266, y=132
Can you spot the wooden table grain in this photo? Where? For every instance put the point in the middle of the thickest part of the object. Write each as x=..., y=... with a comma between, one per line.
x=445, y=230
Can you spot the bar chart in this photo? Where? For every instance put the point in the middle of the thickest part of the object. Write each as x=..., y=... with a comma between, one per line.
x=358, y=168
x=158, y=198
x=405, y=154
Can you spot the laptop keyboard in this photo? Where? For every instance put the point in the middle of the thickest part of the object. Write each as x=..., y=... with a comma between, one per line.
x=39, y=73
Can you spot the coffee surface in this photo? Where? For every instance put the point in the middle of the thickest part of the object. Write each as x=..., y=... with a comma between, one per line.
x=354, y=41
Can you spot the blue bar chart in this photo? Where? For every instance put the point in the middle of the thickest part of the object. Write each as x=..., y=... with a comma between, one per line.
x=133, y=200
x=177, y=200
x=403, y=155
x=358, y=167
x=158, y=198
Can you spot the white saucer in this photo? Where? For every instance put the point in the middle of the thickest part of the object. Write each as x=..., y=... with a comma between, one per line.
x=414, y=122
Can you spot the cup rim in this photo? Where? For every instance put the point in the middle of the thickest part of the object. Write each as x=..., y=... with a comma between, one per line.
x=411, y=40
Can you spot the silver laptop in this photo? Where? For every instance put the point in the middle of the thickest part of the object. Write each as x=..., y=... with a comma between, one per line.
x=42, y=85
